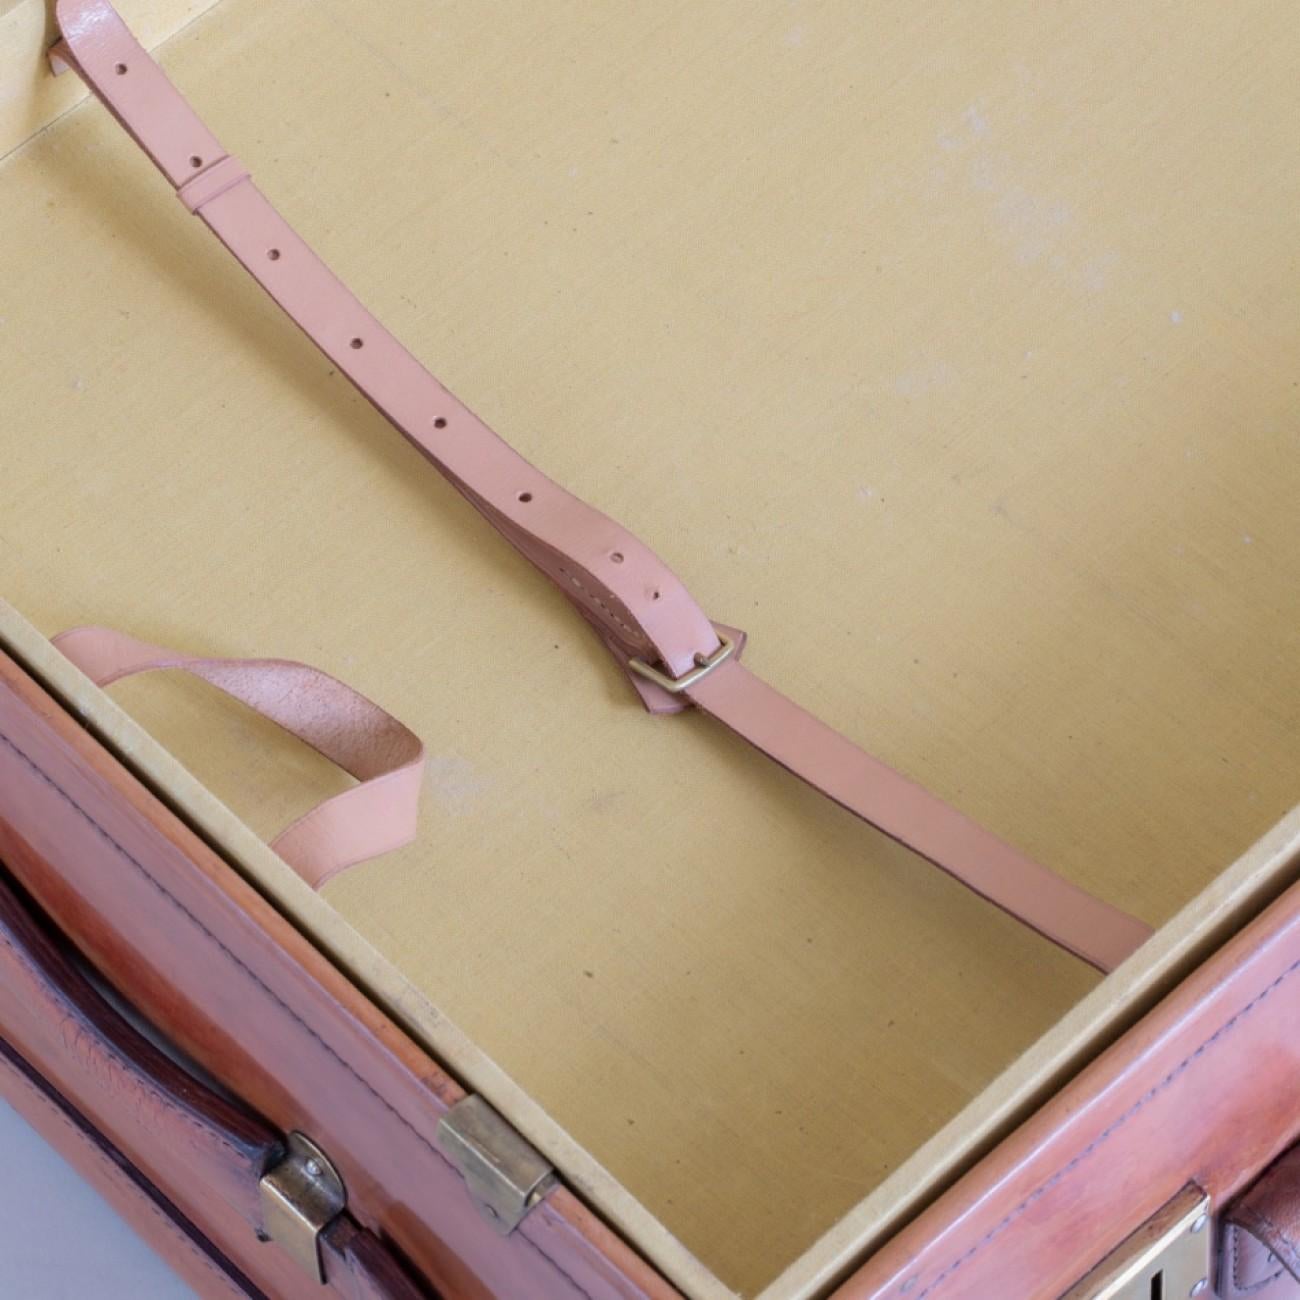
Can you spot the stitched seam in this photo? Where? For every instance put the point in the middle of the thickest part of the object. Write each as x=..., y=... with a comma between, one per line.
x=1280, y=1233
x=100, y=1158
x=586, y=1295
x=288, y=1010
x=1080, y=1157
x=1237, y=1285
x=591, y=595
x=129, y=1067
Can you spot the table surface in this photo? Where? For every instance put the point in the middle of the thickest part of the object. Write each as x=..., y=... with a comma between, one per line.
x=59, y=1239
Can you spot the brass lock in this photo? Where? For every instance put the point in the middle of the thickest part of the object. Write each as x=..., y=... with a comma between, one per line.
x=301, y=1197
x=1167, y=1258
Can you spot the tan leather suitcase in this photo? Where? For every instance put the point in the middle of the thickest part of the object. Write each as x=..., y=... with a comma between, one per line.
x=950, y=352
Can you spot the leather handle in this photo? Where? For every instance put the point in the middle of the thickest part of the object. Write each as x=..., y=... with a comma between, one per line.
x=66, y=1023
x=1260, y=1254
x=66, y=1015
x=367, y=1269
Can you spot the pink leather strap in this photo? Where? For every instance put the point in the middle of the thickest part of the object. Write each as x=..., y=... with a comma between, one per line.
x=376, y=816
x=642, y=612
x=801, y=743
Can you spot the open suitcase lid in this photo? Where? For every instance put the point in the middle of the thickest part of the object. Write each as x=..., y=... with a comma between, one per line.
x=969, y=464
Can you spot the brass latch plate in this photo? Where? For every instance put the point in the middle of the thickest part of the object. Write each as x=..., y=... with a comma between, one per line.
x=505, y=1175
x=301, y=1197
x=1167, y=1258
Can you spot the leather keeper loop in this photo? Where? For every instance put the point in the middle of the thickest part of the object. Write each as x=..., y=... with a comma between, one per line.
x=212, y=182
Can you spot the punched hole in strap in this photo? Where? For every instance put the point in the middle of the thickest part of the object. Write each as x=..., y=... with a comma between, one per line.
x=212, y=182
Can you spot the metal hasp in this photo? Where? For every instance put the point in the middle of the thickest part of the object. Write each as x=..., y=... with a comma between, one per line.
x=1167, y=1258
x=506, y=1176
x=301, y=1197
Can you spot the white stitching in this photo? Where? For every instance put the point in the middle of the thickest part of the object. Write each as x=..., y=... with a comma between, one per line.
x=1236, y=1233
x=591, y=595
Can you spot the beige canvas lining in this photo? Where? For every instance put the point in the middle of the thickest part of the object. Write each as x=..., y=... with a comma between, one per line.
x=997, y=512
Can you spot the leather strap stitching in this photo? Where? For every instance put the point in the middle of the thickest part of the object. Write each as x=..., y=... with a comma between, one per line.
x=1239, y=1286
x=1288, y=1256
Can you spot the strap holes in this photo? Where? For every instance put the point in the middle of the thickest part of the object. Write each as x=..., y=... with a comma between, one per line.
x=440, y=422
x=195, y=161
x=120, y=69
x=273, y=254
x=655, y=594
x=358, y=343
x=616, y=556
x=525, y=497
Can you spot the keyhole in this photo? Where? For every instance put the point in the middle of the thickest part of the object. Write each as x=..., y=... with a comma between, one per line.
x=1158, y=1286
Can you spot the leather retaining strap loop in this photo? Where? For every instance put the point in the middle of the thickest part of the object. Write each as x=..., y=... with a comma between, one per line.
x=379, y=814
x=640, y=609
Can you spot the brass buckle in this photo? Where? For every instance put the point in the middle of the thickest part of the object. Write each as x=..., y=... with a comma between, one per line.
x=704, y=666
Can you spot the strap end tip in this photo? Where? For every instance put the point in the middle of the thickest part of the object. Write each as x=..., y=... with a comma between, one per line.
x=60, y=59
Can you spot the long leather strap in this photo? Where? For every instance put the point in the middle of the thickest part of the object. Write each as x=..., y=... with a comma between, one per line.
x=379, y=814
x=672, y=652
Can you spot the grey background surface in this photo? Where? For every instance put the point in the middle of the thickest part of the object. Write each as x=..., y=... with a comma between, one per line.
x=59, y=1240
